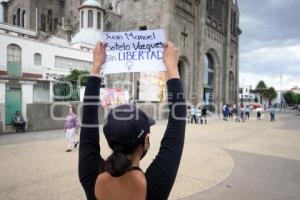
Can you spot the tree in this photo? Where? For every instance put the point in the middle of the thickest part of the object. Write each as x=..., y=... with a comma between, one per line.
x=271, y=94
x=261, y=88
x=297, y=98
x=290, y=98
x=77, y=75
x=68, y=88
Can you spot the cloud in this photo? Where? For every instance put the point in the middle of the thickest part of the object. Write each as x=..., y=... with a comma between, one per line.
x=270, y=40
x=269, y=22
x=271, y=81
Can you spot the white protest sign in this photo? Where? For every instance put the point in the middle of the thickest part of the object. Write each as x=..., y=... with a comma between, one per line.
x=134, y=51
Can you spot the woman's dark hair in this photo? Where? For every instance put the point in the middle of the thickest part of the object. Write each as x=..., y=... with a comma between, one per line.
x=72, y=107
x=117, y=163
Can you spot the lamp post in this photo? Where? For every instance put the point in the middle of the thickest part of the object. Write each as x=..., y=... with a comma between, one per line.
x=280, y=98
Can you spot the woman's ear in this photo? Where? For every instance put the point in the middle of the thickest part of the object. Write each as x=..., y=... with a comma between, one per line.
x=147, y=142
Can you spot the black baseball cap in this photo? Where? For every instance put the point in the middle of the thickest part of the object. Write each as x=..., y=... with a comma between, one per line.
x=126, y=125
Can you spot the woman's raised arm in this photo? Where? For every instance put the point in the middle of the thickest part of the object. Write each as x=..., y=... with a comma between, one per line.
x=162, y=172
x=90, y=159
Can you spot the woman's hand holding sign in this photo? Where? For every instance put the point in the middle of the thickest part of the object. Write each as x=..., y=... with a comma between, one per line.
x=171, y=60
x=99, y=57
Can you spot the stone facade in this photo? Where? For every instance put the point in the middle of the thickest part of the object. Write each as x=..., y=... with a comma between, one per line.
x=206, y=32
x=201, y=29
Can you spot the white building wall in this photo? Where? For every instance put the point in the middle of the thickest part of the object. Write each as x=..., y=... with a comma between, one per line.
x=27, y=96
x=48, y=51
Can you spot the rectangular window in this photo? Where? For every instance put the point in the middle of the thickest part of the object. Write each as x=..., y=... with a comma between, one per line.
x=68, y=63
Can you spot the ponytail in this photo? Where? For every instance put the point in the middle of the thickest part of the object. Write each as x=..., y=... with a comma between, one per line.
x=117, y=163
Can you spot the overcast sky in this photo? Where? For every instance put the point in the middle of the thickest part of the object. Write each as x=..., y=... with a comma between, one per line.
x=270, y=41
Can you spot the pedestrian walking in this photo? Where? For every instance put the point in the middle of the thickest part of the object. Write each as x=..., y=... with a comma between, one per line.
x=199, y=113
x=230, y=111
x=194, y=115
x=226, y=115
x=204, y=114
x=188, y=114
x=242, y=114
x=272, y=114
x=71, y=130
x=247, y=111
x=258, y=113
x=224, y=112
x=238, y=114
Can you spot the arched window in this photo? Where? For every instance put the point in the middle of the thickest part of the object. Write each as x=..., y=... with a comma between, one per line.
x=43, y=22
x=99, y=20
x=208, y=79
x=208, y=70
x=14, y=53
x=49, y=20
x=14, y=20
x=14, y=60
x=37, y=59
x=19, y=17
x=82, y=19
x=23, y=19
x=90, y=19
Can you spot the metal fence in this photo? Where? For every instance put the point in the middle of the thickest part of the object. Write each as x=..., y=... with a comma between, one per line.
x=66, y=91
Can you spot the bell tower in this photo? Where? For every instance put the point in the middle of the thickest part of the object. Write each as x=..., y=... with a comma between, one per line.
x=91, y=23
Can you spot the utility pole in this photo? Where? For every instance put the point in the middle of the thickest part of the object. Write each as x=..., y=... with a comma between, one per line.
x=280, y=97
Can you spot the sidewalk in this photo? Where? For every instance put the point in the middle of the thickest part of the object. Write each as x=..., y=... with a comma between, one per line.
x=36, y=166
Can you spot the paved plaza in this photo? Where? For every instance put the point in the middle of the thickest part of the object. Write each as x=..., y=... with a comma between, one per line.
x=255, y=160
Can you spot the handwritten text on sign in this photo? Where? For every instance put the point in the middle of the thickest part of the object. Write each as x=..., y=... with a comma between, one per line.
x=136, y=51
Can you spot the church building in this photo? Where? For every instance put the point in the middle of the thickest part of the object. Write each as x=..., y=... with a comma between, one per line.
x=42, y=40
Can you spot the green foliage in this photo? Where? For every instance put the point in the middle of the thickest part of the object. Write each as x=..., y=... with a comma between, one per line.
x=297, y=98
x=68, y=88
x=291, y=98
x=261, y=86
x=271, y=94
x=262, y=89
x=77, y=75
x=66, y=91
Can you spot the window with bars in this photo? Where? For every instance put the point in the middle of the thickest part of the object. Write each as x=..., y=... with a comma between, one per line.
x=70, y=63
